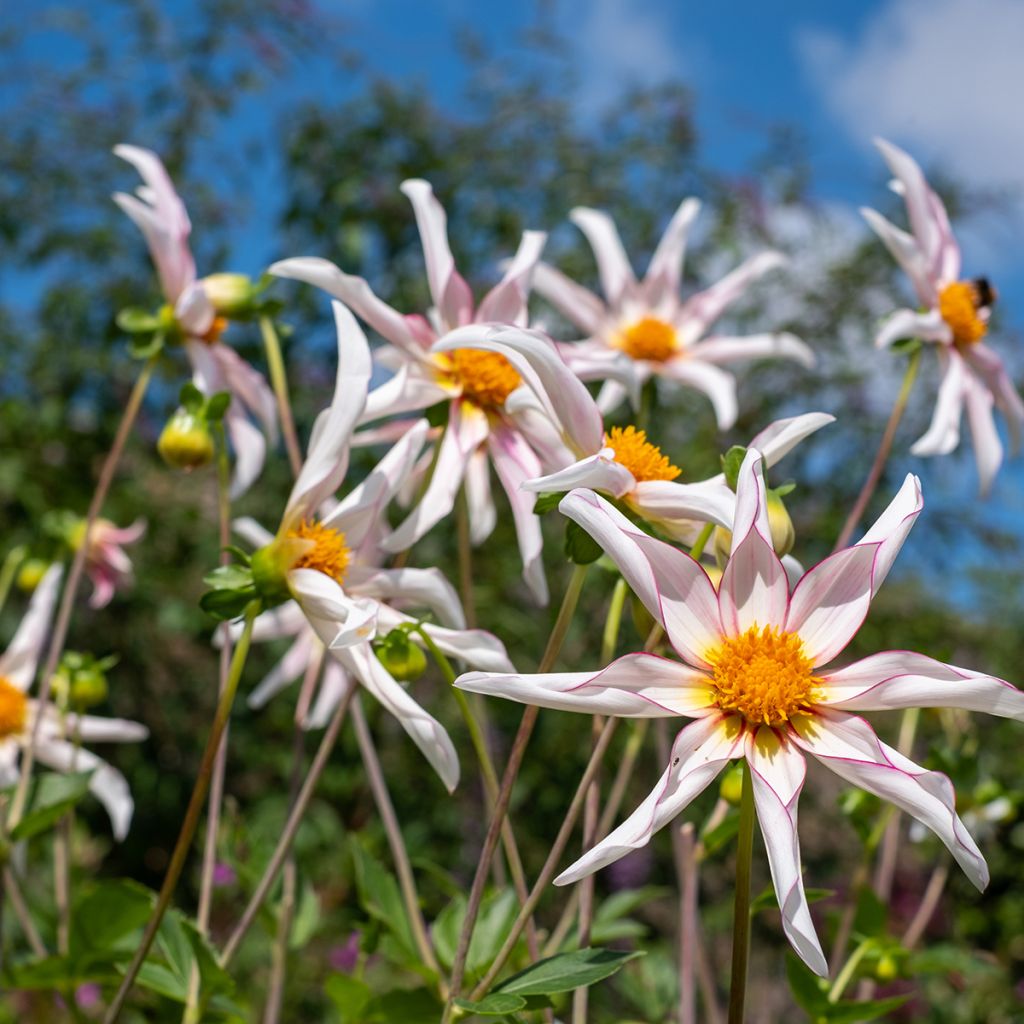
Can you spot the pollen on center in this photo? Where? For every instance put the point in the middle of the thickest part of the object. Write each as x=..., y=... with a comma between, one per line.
x=13, y=709
x=959, y=305
x=328, y=552
x=643, y=459
x=649, y=338
x=764, y=675
x=487, y=378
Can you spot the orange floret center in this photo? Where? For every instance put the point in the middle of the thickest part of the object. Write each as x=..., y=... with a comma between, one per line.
x=217, y=328
x=643, y=459
x=649, y=338
x=959, y=303
x=764, y=675
x=487, y=378
x=327, y=552
x=13, y=709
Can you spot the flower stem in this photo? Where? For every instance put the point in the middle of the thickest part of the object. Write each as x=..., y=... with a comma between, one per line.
x=741, y=907
x=845, y=976
x=67, y=600
x=701, y=542
x=885, y=446
x=684, y=848
x=279, y=382
x=465, y=557
x=12, y=562
x=192, y=815
x=515, y=759
x=551, y=864
x=889, y=852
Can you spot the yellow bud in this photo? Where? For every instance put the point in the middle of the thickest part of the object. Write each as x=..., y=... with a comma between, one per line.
x=731, y=788
x=783, y=534
x=401, y=657
x=185, y=443
x=887, y=968
x=31, y=573
x=230, y=294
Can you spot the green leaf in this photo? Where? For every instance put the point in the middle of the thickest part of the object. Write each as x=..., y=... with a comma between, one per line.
x=163, y=981
x=547, y=502
x=783, y=489
x=809, y=991
x=173, y=943
x=217, y=406
x=53, y=795
x=380, y=898
x=872, y=917
x=853, y=1013
x=580, y=547
x=229, y=577
x=723, y=833
x=497, y=1004
x=566, y=971
x=136, y=320
x=226, y=604
x=191, y=398
x=415, y=1006
x=731, y=462
x=144, y=346
x=306, y=919
x=107, y=913
x=349, y=996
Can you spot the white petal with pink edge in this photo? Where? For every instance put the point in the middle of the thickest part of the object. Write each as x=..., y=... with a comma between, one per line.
x=781, y=345
x=617, y=278
x=19, y=661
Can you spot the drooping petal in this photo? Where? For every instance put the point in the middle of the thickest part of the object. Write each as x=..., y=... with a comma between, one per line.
x=717, y=384
x=581, y=307
x=18, y=663
x=670, y=584
x=338, y=619
x=943, y=434
x=777, y=771
x=250, y=449
x=989, y=367
x=633, y=686
x=426, y=732
x=249, y=386
x=327, y=459
x=905, y=679
x=703, y=309
x=598, y=473
x=476, y=647
x=292, y=665
x=334, y=687
x=781, y=345
x=483, y=516
x=467, y=429
x=661, y=281
x=754, y=590
x=506, y=301
x=849, y=747
x=909, y=323
x=681, y=510
x=988, y=449
x=701, y=750
x=515, y=463
x=778, y=439
x=891, y=528
x=906, y=251
x=194, y=311
x=94, y=729
x=412, y=388
x=613, y=267
x=420, y=588
x=355, y=293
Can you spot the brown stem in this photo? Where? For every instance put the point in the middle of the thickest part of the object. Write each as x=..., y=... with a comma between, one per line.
x=885, y=446
x=17, y=901
x=67, y=600
x=929, y=902
x=684, y=850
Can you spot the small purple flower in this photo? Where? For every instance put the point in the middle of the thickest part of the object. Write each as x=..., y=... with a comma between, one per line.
x=88, y=995
x=224, y=875
x=345, y=957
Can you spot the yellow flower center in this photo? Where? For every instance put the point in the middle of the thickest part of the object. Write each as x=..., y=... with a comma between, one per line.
x=958, y=305
x=328, y=552
x=649, y=338
x=487, y=378
x=216, y=329
x=764, y=675
x=643, y=459
x=13, y=709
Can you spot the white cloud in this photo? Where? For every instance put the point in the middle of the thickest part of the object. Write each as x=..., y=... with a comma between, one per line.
x=943, y=78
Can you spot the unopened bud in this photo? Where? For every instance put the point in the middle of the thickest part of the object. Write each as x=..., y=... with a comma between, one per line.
x=401, y=657
x=231, y=295
x=783, y=534
x=887, y=968
x=31, y=574
x=731, y=788
x=88, y=688
x=185, y=443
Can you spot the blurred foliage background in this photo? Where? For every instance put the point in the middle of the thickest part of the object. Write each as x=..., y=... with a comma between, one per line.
x=214, y=87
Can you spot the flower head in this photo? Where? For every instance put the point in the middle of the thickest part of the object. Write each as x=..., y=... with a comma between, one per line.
x=106, y=561
x=754, y=674
x=954, y=314
x=646, y=329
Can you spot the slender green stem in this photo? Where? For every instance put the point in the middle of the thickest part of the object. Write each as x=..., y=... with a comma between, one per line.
x=845, y=976
x=885, y=446
x=67, y=600
x=465, y=557
x=701, y=542
x=515, y=759
x=889, y=851
x=14, y=895
x=192, y=815
x=613, y=621
x=741, y=907
x=279, y=382
x=9, y=570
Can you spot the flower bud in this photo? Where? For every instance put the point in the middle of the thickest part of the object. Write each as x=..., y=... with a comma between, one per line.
x=731, y=788
x=270, y=565
x=31, y=574
x=401, y=657
x=185, y=443
x=783, y=534
x=231, y=295
x=88, y=688
x=721, y=541
x=887, y=968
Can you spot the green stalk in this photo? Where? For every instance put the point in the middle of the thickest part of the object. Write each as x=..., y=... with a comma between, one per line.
x=192, y=815
x=279, y=382
x=9, y=570
x=741, y=907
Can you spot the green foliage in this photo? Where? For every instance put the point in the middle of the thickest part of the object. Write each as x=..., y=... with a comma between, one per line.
x=51, y=796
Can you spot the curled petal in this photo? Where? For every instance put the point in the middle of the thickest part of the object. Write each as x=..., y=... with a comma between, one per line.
x=598, y=473
x=700, y=752
x=613, y=266
x=988, y=449
x=906, y=251
x=718, y=385
x=633, y=686
x=892, y=527
x=680, y=510
x=909, y=323
x=992, y=372
x=337, y=619
x=94, y=729
x=506, y=301
x=779, y=438
x=422, y=588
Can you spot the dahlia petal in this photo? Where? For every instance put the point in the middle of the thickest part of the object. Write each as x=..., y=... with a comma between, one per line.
x=572, y=300
x=337, y=619
x=661, y=282
x=943, y=434
x=988, y=449
x=247, y=384
x=598, y=473
x=989, y=367
x=94, y=729
x=909, y=323
x=849, y=747
x=633, y=686
x=19, y=662
x=334, y=686
x=483, y=516
x=422, y=588
x=778, y=439
x=681, y=510
x=892, y=527
x=906, y=251
x=700, y=751
x=292, y=665
x=777, y=772
x=718, y=385
x=613, y=267
x=250, y=448
x=506, y=301
x=904, y=679
x=780, y=345
x=670, y=584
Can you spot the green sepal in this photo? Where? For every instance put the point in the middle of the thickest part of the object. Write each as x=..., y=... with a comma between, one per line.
x=136, y=320
x=731, y=462
x=217, y=406
x=229, y=577
x=145, y=346
x=437, y=414
x=227, y=604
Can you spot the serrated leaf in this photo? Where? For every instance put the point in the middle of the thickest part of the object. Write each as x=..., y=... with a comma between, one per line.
x=380, y=898
x=580, y=547
x=53, y=795
x=163, y=981
x=497, y=1004
x=566, y=971
x=731, y=462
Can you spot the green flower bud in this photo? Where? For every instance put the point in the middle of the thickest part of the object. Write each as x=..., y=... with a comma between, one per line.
x=231, y=295
x=401, y=657
x=887, y=968
x=88, y=688
x=31, y=574
x=270, y=565
x=783, y=534
x=731, y=788
x=185, y=443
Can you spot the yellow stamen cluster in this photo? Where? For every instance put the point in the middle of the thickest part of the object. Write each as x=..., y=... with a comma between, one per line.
x=487, y=378
x=217, y=328
x=643, y=459
x=328, y=553
x=764, y=675
x=650, y=339
x=958, y=305
x=13, y=709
